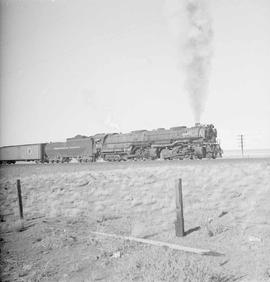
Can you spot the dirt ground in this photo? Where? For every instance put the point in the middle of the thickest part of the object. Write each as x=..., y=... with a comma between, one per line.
x=226, y=210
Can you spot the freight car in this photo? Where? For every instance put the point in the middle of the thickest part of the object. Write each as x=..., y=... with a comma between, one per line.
x=30, y=152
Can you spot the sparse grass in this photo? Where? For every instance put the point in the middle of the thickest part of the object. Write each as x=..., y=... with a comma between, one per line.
x=194, y=272
x=143, y=196
x=214, y=229
x=167, y=265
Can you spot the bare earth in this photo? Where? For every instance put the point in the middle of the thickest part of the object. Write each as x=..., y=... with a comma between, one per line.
x=226, y=210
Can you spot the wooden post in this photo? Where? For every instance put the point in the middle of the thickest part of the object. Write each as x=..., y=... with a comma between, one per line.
x=179, y=223
x=161, y=244
x=20, y=198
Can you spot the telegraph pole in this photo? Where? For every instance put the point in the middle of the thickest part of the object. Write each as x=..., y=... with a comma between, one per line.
x=242, y=144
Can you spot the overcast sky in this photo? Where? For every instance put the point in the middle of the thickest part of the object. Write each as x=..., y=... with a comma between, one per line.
x=82, y=67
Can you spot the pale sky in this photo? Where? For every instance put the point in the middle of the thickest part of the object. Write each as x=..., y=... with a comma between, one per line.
x=89, y=66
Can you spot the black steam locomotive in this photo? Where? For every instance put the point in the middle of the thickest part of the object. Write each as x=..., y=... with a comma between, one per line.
x=196, y=142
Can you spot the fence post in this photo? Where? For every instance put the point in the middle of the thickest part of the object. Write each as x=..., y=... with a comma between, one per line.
x=20, y=198
x=179, y=223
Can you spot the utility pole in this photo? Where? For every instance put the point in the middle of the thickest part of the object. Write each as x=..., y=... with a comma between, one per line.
x=242, y=144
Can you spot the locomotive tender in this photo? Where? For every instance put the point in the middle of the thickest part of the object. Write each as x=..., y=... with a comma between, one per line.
x=80, y=147
x=180, y=142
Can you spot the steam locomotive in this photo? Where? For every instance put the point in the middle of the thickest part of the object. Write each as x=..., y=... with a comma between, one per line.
x=197, y=142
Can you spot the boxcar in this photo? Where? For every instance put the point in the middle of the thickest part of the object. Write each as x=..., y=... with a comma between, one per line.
x=29, y=152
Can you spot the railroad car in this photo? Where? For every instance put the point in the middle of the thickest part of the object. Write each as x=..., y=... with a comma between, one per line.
x=29, y=152
x=79, y=147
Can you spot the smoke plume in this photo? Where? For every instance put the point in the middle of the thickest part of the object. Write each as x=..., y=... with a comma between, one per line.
x=190, y=23
x=198, y=53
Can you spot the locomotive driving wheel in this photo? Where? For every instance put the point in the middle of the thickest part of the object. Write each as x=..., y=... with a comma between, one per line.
x=142, y=154
x=165, y=154
x=209, y=155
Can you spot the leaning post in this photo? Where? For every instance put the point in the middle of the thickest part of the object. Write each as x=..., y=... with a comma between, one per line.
x=20, y=198
x=179, y=223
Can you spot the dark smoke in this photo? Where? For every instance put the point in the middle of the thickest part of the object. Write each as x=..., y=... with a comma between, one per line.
x=198, y=53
